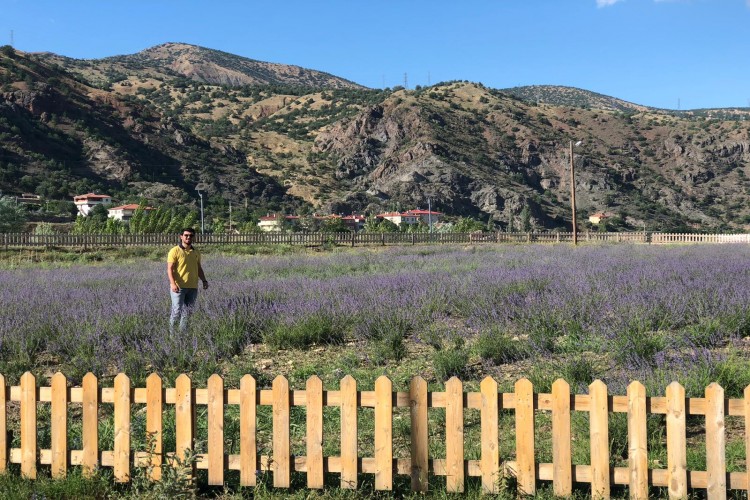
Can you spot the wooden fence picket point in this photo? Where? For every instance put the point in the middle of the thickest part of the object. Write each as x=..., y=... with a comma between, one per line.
x=746, y=404
x=59, y=426
x=599, y=439
x=676, y=441
x=490, y=463
x=281, y=408
x=716, y=464
x=122, y=428
x=526, y=473
x=28, y=426
x=419, y=444
x=154, y=423
x=637, y=441
x=248, y=427
x=349, y=457
x=215, y=430
x=454, y=436
x=314, y=393
x=383, y=433
x=561, y=454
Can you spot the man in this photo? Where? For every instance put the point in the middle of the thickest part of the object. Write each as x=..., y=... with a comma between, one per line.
x=184, y=270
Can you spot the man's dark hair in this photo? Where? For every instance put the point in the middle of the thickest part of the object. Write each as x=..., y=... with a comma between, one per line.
x=188, y=230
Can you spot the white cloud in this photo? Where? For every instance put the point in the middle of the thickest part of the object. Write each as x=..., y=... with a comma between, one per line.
x=607, y=3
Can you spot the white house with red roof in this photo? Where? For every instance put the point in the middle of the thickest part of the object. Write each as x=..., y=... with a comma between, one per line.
x=272, y=222
x=427, y=216
x=598, y=217
x=86, y=202
x=354, y=222
x=125, y=212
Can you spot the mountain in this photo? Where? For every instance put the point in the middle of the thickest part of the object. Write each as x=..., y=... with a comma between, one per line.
x=148, y=126
x=198, y=64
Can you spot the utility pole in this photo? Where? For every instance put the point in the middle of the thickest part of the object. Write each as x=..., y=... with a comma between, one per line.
x=230, y=215
x=573, y=194
x=406, y=81
x=201, y=196
x=429, y=214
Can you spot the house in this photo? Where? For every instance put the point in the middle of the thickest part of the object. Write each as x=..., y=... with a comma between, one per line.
x=272, y=222
x=29, y=199
x=399, y=218
x=427, y=216
x=354, y=222
x=85, y=202
x=598, y=217
x=125, y=212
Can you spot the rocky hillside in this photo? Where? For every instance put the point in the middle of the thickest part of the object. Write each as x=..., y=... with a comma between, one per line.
x=147, y=126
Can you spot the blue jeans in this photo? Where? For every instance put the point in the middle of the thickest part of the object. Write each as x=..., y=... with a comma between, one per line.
x=182, y=305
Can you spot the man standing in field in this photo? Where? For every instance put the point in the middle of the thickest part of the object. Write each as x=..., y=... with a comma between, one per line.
x=184, y=270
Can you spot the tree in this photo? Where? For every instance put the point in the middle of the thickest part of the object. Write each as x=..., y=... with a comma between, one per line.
x=12, y=216
x=333, y=225
x=467, y=225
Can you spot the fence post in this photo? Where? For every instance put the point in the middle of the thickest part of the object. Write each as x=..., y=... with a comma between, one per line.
x=3, y=426
x=215, y=430
x=676, y=443
x=280, y=456
x=419, y=445
x=561, y=456
x=349, y=467
x=59, y=426
x=525, y=472
x=490, y=463
x=122, y=428
x=716, y=462
x=599, y=439
x=28, y=426
x=383, y=434
x=454, y=436
x=637, y=450
x=154, y=423
x=248, y=425
x=183, y=416
x=314, y=393
x=90, y=438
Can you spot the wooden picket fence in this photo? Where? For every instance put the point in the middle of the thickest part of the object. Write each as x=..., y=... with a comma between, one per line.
x=491, y=467
x=28, y=240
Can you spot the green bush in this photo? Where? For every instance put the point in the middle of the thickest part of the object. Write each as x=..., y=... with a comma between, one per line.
x=500, y=348
x=316, y=329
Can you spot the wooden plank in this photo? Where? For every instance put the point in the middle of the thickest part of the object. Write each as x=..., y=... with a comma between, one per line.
x=3, y=425
x=383, y=433
x=676, y=441
x=215, y=430
x=314, y=388
x=716, y=465
x=281, y=468
x=419, y=445
x=637, y=441
x=248, y=428
x=454, y=436
x=90, y=431
x=525, y=437
x=349, y=460
x=184, y=429
x=59, y=426
x=489, y=431
x=746, y=402
x=154, y=424
x=561, y=454
x=599, y=440
x=122, y=428
x=28, y=426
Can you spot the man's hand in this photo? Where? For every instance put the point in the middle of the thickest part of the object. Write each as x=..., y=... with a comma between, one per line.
x=205, y=285
x=175, y=287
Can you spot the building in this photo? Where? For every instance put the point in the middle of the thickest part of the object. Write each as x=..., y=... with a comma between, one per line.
x=354, y=222
x=273, y=222
x=598, y=217
x=399, y=218
x=86, y=202
x=125, y=212
x=427, y=216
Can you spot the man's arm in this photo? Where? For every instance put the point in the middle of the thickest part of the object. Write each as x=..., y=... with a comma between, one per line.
x=202, y=276
x=170, y=274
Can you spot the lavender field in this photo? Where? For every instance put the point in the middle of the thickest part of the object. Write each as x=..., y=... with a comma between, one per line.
x=618, y=313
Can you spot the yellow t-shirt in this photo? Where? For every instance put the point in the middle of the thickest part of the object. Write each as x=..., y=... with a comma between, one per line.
x=186, y=270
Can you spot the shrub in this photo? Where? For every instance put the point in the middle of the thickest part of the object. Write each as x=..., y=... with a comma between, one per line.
x=315, y=329
x=500, y=348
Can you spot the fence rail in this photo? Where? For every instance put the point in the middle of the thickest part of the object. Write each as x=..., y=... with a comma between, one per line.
x=15, y=240
x=280, y=462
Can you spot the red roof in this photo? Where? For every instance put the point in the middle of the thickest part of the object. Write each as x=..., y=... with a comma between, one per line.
x=423, y=212
x=131, y=206
x=90, y=195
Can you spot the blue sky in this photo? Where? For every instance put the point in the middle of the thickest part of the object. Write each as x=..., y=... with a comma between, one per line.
x=662, y=53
